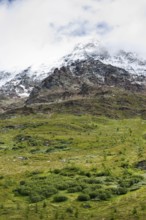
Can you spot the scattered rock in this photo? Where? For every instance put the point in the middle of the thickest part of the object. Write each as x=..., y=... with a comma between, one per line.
x=22, y=158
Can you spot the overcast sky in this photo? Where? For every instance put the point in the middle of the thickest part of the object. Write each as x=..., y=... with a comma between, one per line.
x=35, y=31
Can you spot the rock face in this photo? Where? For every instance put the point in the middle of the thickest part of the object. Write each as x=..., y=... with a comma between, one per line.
x=20, y=83
x=20, y=86
x=94, y=49
x=83, y=78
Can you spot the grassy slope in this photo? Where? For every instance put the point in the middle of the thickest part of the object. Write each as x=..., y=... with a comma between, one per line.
x=91, y=143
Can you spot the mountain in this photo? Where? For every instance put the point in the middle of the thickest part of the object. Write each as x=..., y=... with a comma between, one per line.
x=20, y=83
x=82, y=79
x=129, y=61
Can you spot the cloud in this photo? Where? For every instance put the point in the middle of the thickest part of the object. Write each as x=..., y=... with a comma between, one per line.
x=103, y=28
x=35, y=31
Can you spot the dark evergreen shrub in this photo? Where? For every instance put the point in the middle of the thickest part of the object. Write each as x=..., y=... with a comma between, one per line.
x=83, y=197
x=60, y=198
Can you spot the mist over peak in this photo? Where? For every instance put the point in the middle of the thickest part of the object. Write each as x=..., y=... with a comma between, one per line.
x=36, y=31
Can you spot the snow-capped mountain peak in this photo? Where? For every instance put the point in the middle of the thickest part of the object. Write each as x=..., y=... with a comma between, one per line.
x=20, y=83
x=82, y=51
x=129, y=61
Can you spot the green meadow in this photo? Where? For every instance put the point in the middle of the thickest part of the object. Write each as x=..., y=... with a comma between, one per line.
x=65, y=166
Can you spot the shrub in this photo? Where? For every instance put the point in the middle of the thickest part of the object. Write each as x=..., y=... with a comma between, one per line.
x=83, y=197
x=56, y=171
x=37, y=190
x=50, y=149
x=93, y=181
x=130, y=181
x=120, y=191
x=34, y=198
x=70, y=171
x=93, y=195
x=22, y=182
x=62, y=186
x=88, y=174
x=69, y=210
x=104, y=194
x=60, y=198
x=75, y=189
x=109, y=179
x=103, y=173
x=23, y=190
x=48, y=191
x=72, y=183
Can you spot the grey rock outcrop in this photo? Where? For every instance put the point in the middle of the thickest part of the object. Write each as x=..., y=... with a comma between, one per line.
x=82, y=78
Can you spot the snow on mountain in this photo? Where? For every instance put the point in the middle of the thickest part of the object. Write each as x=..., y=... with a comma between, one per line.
x=81, y=51
x=129, y=61
x=20, y=83
x=4, y=77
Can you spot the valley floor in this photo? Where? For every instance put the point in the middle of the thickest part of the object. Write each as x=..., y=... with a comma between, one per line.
x=65, y=166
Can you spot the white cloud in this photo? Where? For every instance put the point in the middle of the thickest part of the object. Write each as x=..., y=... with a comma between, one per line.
x=33, y=31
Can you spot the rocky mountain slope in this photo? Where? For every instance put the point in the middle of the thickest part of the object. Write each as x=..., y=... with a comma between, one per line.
x=20, y=83
x=84, y=78
x=129, y=61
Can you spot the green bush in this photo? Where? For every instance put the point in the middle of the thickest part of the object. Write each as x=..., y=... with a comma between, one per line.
x=129, y=181
x=48, y=191
x=60, y=198
x=72, y=183
x=56, y=171
x=62, y=186
x=93, y=195
x=36, y=189
x=70, y=171
x=69, y=210
x=93, y=181
x=119, y=190
x=34, y=198
x=104, y=194
x=103, y=173
x=75, y=189
x=100, y=194
x=83, y=197
x=23, y=190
